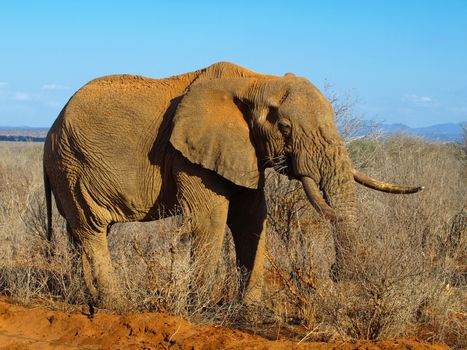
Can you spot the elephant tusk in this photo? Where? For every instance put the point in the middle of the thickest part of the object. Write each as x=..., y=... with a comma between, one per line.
x=367, y=181
x=317, y=201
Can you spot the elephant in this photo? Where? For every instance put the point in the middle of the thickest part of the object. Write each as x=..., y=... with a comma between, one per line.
x=129, y=148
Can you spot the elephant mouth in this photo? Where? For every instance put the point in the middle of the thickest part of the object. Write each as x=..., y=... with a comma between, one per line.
x=283, y=165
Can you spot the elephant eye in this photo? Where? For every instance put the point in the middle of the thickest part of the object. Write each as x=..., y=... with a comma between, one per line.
x=284, y=127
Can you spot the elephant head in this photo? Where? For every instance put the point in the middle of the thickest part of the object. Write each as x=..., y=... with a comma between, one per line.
x=237, y=127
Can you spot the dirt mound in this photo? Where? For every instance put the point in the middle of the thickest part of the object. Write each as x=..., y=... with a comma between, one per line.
x=41, y=328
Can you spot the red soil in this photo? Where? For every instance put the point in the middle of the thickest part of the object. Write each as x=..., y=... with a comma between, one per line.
x=41, y=328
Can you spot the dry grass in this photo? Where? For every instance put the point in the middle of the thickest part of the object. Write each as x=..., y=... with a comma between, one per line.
x=408, y=276
x=409, y=272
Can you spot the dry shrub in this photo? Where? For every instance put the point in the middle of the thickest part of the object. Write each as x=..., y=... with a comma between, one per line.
x=157, y=264
x=28, y=271
x=349, y=123
x=299, y=250
x=152, y=260
x=408, y=275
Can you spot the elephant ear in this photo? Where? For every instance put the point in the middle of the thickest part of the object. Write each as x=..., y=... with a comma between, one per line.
x=210, y=129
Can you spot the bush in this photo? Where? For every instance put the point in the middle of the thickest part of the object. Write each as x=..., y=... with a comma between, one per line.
x=409, y=273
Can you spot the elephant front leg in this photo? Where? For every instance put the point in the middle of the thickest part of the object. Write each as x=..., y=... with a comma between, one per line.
x=208, y=229
x=247, y=221
x=205, y=206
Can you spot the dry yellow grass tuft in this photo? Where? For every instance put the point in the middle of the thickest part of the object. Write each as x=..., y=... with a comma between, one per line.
x=408, y=276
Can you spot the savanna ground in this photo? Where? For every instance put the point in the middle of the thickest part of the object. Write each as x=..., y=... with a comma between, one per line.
x=408, y=275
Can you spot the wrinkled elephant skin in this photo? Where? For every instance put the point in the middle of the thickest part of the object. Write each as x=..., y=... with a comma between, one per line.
x=128, y=148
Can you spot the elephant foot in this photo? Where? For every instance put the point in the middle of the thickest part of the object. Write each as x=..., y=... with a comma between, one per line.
x=114, y=300
x=252, y=295
x=105, y=303
x=255, y=313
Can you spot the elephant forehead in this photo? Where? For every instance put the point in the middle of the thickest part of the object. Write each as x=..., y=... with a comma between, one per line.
x=305, y=106
x=302, y=92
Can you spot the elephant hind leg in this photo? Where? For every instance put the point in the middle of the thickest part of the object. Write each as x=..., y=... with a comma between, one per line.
x=87, y=222
x=91, y=293
x=98, y=271
x=247, y=221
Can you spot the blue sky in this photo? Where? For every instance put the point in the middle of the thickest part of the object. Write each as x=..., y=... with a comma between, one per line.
x=406, y=61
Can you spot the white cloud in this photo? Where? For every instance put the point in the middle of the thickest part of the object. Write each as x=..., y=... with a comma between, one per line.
x=22, y=96
x=418, y=99
x=54, y=86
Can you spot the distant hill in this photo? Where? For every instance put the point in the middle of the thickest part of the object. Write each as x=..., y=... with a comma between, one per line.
x=22, y=133
x=449, y=132
x=19, y=138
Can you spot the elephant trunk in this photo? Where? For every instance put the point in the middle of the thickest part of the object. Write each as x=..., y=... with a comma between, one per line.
x=330, y=189
x=338, y=204
x=343, y=201
x=317, y=201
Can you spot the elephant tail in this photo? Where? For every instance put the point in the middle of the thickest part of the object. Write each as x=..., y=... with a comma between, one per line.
x=48, y=203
